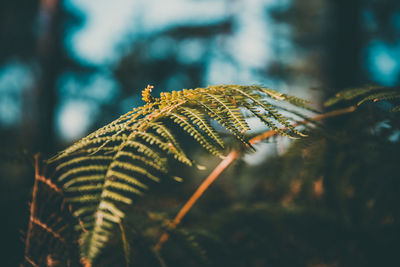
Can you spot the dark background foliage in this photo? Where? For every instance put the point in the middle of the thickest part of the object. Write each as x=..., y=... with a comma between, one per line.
x=67, y=68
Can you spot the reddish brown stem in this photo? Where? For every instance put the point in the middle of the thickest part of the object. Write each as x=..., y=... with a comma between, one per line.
x=200, y=190
x=33, y=206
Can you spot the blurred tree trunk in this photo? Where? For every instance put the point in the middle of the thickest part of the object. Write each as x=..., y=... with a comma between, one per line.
x=49, y=53
x=344, y=69
x=345, y=44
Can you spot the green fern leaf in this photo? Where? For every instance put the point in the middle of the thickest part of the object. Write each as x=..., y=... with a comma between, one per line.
x=351, y=93
x=368, y=93
x=198, y=118
x=380, y=96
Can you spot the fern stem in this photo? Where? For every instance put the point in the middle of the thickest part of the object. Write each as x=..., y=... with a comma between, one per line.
x=199, y=192
x=227, y=162
x=126, y=245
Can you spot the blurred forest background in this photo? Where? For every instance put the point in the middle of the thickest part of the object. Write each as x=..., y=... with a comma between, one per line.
x=69, y=67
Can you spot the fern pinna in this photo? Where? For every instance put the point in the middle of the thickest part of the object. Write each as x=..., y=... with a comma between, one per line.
x=103, y=173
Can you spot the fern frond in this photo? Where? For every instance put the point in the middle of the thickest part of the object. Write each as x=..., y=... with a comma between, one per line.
x=201, y=121
x=351, y=93
x=259, y=101
x=380, y=96
x=84, y=179
x=368, y=93
x=185, y=124
x=224, y=122
x=171, y=141
x=266, y=120
x=80, y=160
x=230, y=110
x=168, y=147
x=144, y=160
x=296, y=101
x=79, y=171
x=104, y=172
x=145, y=150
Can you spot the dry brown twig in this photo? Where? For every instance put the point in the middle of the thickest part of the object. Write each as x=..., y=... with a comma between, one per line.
x=33, y=205
x=234, y=154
